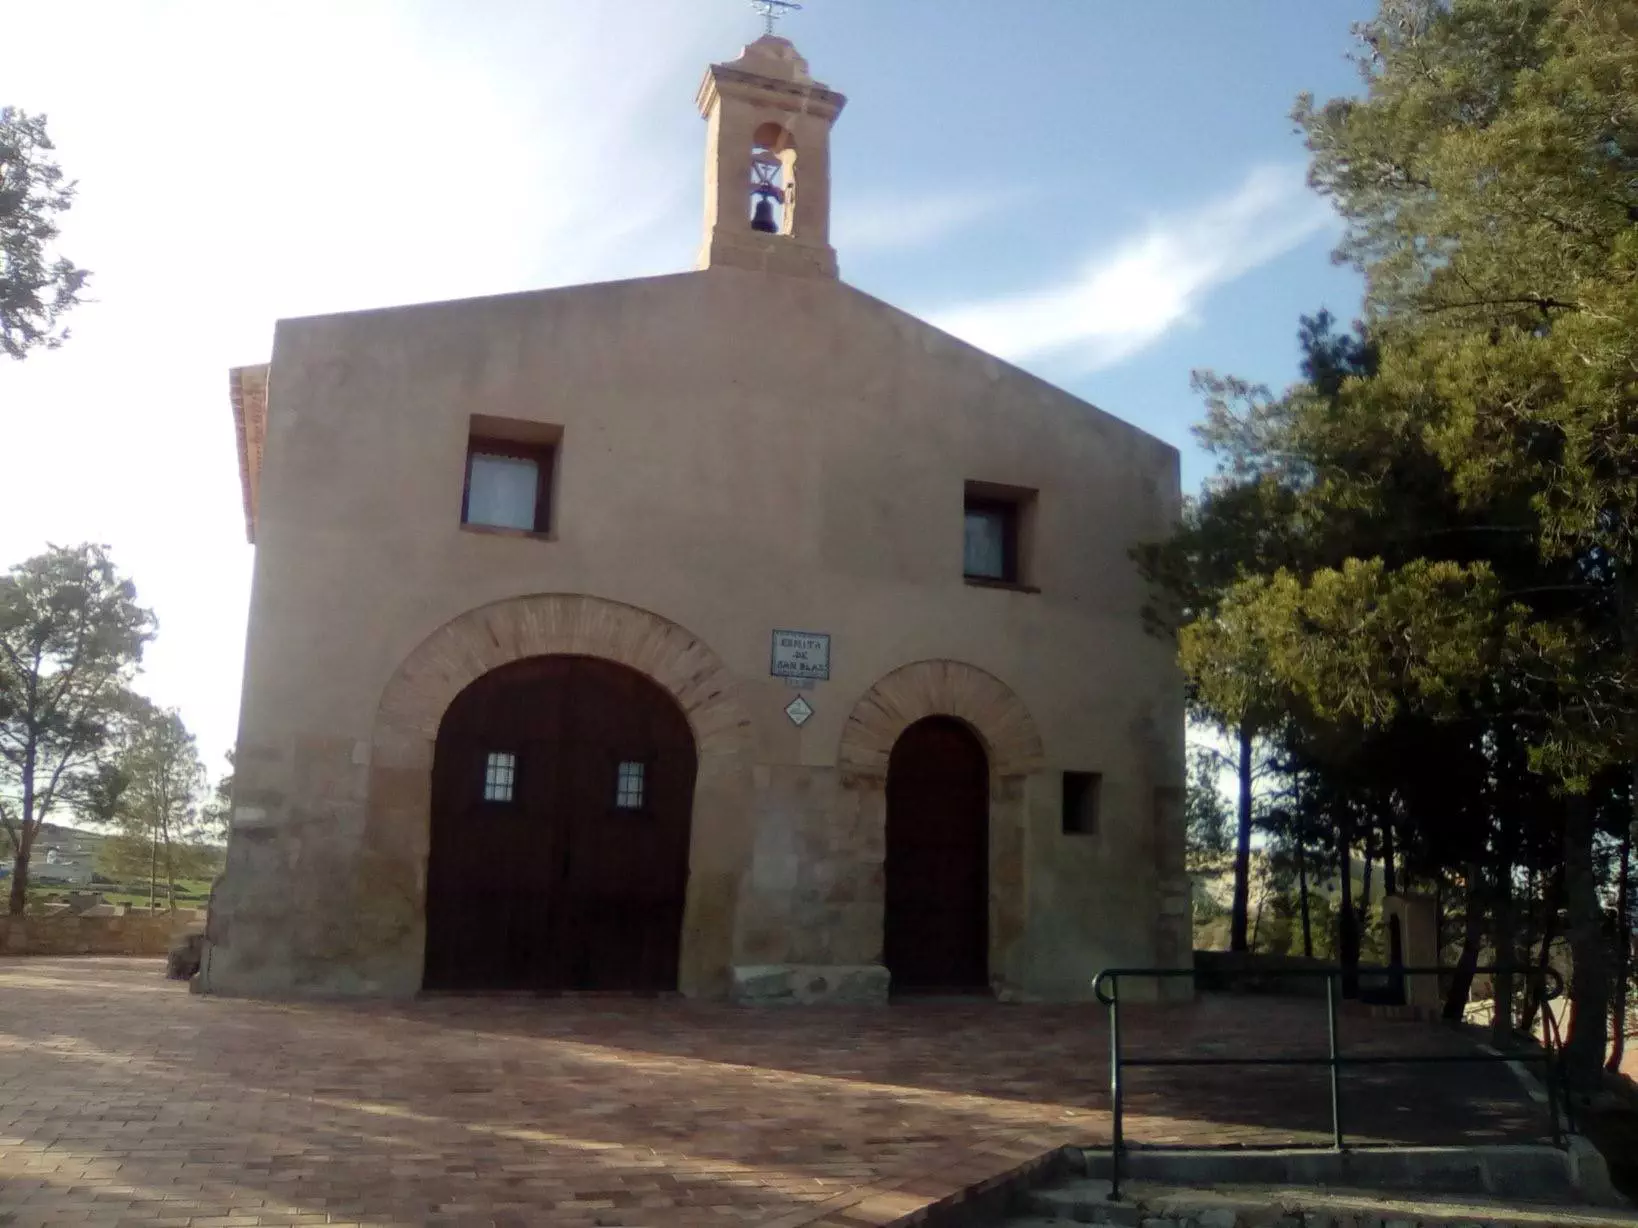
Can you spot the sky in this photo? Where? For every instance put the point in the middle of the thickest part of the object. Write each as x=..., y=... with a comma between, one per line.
x=1109, y=194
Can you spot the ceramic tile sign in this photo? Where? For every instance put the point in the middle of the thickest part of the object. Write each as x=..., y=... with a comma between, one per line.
x=799, y=710
x=803, y=655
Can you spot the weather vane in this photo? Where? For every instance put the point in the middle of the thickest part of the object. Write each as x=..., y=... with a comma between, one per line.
x=773, y=10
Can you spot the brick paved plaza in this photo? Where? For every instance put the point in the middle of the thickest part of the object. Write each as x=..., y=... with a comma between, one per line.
x=126, y=1100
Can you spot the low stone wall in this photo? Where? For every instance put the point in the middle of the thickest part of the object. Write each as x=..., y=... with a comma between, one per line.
x=67, y=934
x=805, y=984
x=1243, y=972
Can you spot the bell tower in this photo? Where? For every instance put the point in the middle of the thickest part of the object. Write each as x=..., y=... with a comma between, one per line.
x=767, y=165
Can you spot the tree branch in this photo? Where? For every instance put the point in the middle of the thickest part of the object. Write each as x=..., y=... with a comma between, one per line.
x=1540, y=301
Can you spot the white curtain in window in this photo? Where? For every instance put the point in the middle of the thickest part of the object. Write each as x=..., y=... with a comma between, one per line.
x=986, y=553
x=502, y=492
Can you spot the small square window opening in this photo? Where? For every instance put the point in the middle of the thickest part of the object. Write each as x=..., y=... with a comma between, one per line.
x=1081, y=790
x=499, y=776
x=628, y=789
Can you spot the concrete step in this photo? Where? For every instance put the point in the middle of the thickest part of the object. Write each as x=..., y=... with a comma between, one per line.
x=1147, y=1205
x=1525, y=1173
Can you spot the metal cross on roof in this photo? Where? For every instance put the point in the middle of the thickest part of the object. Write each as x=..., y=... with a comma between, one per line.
x=773, y=10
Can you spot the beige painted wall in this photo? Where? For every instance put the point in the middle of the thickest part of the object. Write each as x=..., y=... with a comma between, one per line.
x=741, y=451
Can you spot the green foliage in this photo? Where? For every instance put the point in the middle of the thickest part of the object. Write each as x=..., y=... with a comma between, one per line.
x=1418, y=568
x=216, y=816
x=36, y=288
x=1206, y=810
x=71, y=635
x=1357, y=642
x=1490, y=183
x=151, y=789
x=1322, y=920
x=127, y=858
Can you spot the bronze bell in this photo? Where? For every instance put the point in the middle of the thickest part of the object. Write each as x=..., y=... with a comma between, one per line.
x=763, y=218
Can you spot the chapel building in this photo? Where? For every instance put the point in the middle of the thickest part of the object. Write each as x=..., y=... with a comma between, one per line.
x=730, y=632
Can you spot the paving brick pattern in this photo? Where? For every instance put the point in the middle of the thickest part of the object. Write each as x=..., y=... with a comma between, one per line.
x=124, y=1100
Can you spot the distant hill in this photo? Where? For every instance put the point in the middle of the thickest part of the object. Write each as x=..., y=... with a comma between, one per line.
x=72, y=857
x=61, y=854
x=1218, y=885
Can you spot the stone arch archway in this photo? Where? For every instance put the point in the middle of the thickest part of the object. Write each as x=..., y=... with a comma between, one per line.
x=392, y=874
x=464, y=649
x=939, y=688
x=995, y=713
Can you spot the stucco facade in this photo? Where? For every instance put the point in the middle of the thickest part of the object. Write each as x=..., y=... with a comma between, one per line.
x=738, y=449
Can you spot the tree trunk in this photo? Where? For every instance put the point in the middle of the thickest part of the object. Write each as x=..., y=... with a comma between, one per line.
x=1302, y=890
x=1502, y=924
x=1528, y=921
x=19, y=877
x=1623, y=953
x=1550, y=894
x=1364, y=903
x=1461, y=981
x=26, y=829
x=153, y=872
x=1501, y=943
x=1390, y=881
x=1242, y=847
x=1439, y=919
x=1589, y=971
x=170, y=869
x=1347, y=922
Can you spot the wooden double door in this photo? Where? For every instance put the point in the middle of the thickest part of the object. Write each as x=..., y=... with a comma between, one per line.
x=936, y=935
x=562, y=792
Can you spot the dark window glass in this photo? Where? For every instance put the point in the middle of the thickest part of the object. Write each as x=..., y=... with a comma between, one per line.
x=990, y=545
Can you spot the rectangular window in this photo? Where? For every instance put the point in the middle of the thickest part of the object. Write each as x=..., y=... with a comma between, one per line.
x=508, y=485
x=996, y=532
x=1081, y=791
x=500, y=772
x=628, y=788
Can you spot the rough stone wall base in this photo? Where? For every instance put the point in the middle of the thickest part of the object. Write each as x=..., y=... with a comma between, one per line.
x=68, y=934
x=807, y=984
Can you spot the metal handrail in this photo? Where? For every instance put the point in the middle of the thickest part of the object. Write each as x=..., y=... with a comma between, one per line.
x=1549, y=984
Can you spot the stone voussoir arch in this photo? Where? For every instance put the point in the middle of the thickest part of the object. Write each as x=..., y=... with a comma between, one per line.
x=939, y=688
x=471, y=645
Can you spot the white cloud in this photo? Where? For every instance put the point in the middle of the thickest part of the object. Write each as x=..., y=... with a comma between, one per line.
x=1127, y=297
x=243, y=162
x=913, y=220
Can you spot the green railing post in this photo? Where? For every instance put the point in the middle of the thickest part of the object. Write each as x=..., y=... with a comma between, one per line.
x=1115, y=1088
x=1336, y=1066
x=1551, y=1070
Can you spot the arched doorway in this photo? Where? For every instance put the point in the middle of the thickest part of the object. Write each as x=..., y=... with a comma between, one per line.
x=936, y=928
x=562, y=788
